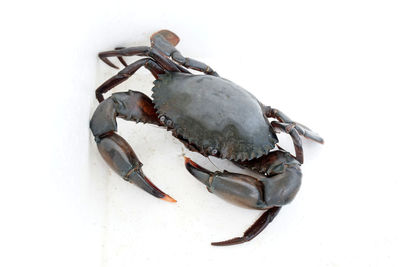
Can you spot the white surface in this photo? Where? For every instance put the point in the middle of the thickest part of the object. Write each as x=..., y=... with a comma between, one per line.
x=334, y=66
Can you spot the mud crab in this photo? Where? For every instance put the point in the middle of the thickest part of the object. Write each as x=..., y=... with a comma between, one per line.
x=209, y=115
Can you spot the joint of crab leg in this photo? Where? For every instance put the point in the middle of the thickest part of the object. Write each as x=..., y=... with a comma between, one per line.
x=290, y=128
x=301, y=129
x=121, y=59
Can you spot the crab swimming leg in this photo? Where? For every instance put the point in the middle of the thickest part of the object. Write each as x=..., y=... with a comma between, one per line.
x=281, y=181
x=119, y=155
x=165, y=41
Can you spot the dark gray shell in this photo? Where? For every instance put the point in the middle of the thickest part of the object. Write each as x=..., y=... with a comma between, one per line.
x=214, y=113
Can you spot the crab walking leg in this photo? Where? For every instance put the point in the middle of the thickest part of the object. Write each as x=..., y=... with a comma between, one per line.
x=257, y=227
x=301, y=129
x=278, y=187
x=124, y=74
x=192, y=64
x=119, y=155
x=165, y=41
x=121, y=59
x=291, y=130
x=162, y=46
x=156, y=55
x=122, y=51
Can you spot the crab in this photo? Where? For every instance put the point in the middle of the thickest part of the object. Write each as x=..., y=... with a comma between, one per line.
x=209, y=115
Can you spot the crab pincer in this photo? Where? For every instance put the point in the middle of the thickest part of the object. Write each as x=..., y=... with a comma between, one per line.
x=120, y=157
x=281, y=182
x=118, y=154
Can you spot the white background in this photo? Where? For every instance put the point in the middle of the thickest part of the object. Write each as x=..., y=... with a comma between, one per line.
x=332, y=65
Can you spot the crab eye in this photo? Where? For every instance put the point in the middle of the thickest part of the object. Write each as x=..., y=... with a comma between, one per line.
x=169, y=123
x=214, y=152
x=162, y=118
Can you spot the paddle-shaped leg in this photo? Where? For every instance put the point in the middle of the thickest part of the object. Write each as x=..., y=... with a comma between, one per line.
x=162, y=46
x=165, y=41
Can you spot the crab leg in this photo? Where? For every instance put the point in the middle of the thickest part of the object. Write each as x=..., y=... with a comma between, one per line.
x=281, y=181
x=121, y=51
x=192, y=64
x=301, y=129
x=156, y=55
x=163, y=44
x=119, y=155
x=257, y=227
x=124, y=74
x=165, y=41
x=290, y=129
x=121, y=59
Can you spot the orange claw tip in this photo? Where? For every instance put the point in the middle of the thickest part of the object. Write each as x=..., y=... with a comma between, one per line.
x=168, y=198
x=187, y=160
x=191, y=162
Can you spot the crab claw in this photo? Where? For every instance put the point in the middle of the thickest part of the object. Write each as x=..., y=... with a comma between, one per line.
x=121, y=158
x=138, y=178
x=200, y=173
x=281, y=183
x=239, y=189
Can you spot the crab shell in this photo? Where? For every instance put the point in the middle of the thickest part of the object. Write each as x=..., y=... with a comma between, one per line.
x=213, y=115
